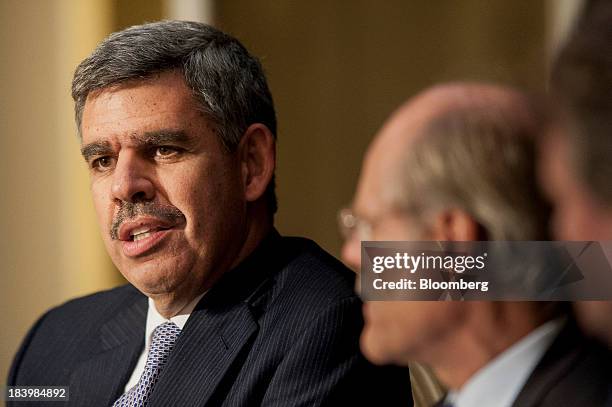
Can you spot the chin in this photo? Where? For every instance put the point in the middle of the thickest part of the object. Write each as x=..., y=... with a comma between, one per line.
x=152, y=278
x=374, y=349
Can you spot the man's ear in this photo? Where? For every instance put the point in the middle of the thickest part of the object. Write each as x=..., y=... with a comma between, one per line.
x=257, y=154
x=454, y=225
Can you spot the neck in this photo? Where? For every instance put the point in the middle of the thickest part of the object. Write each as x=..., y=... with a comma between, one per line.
x=492, y=328
x=257, y=230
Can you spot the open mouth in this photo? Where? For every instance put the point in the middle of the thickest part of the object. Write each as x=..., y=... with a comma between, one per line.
x=145, y=235
x=144, y=232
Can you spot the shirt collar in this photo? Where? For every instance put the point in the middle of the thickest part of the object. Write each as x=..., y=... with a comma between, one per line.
x=155, y=319
x=500, y=381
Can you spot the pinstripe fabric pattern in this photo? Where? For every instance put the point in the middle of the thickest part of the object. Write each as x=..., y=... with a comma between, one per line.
x=282, y=329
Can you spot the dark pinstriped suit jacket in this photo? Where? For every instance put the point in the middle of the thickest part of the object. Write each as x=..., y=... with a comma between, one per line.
x=281, y=329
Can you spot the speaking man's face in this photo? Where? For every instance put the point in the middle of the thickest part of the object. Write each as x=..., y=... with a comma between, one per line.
x=168, y=197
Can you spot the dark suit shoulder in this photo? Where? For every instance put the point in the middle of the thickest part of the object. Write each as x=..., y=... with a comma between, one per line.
x=306, y=351
x=575, y=371
x=313, y=277
x=92, y=308
x=68, y=333
x=307, y=293
x=587, y=378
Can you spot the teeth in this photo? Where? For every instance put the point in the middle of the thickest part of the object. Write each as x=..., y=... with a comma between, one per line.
x=140, y=230
x=141, y=236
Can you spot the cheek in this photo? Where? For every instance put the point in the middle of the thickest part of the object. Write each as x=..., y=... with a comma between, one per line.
x=207, y=194
x=402, y=229
x=195, y=204
x=402, y=331
x=407, y=231
x=565, y=220
x=189, y=188
x=577, y=218
x=578, y=223
x=103, y=205
x=389, y=232
x=576, y=215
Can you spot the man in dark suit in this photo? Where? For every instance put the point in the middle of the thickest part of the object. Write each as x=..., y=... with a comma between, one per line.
x=178, y=130
x=457, y=163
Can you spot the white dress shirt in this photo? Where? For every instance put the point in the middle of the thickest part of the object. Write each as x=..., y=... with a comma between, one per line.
x=154, y=319
x=499, y=382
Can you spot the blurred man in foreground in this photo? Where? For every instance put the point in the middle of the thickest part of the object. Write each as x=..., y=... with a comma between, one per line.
x=178, y=130
x=456, y=163
x=577, y=154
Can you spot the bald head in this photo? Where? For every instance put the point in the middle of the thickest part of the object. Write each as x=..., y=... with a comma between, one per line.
x=471, y=103
x=461, y=146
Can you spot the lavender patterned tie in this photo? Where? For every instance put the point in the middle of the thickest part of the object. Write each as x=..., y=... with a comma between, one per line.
x=164, y=337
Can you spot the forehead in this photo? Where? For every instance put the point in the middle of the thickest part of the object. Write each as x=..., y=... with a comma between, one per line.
x=131, y=108
x=380, y=178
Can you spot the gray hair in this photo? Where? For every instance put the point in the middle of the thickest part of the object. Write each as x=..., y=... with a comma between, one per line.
x=228, y=82
x=481, y=159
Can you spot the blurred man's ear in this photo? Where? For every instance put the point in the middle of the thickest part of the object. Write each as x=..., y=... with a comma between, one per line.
x=258, y=160
x=454, y=225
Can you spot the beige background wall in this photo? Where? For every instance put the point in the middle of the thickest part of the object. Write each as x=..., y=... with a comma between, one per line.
x=336, y=68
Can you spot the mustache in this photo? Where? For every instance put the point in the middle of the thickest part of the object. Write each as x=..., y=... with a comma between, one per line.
x=128, y=211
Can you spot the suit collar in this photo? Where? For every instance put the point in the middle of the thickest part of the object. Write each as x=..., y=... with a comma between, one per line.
x=558, y=360
x=99, y=379
x=220, y=330
x=127, y=325
x=213, y=340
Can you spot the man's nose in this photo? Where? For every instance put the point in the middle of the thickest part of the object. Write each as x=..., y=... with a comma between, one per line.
x=351, y=252
x=131, y=179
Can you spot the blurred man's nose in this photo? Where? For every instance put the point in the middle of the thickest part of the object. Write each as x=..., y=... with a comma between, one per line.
x=351, y=252
x=131, y=179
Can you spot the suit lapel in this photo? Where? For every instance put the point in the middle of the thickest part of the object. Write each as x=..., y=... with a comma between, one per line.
x=218, y=333
x=209, y=344
x=100, y=379
x=556, y=362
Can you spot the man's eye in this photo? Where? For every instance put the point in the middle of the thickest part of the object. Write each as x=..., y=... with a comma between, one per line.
x=165, y=151
x=102, y=163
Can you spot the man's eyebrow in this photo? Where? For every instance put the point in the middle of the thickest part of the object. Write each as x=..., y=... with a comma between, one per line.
x=96, y=148
x=152, y=138
x=159, y=137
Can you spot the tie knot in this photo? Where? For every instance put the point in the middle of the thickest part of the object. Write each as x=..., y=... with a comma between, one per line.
x=165, y=332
